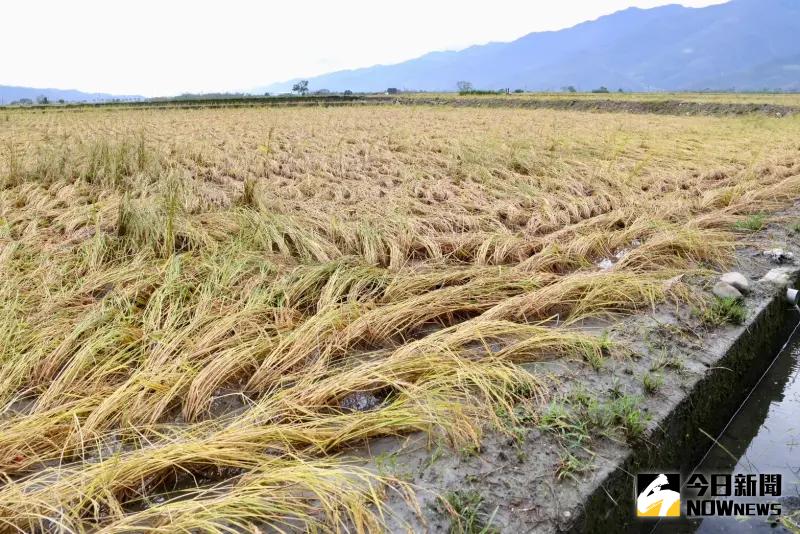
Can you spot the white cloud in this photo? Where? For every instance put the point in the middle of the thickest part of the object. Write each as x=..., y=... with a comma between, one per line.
x=157, y=47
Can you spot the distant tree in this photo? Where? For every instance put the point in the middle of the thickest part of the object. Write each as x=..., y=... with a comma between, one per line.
x=601, y=89
x=60, y=100
x=620, y=90
x=322, y=92
x=392, y=91
x=42, y=100
x=266, y=94
x=570, y=89
x=301, y=87
x=518, y=91
x=464, y=87
x=347, y=92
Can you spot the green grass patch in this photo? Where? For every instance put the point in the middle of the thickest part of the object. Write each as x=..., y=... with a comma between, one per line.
x=753, y=223
x=724, y=311
x=465, y=508
x=652, y=383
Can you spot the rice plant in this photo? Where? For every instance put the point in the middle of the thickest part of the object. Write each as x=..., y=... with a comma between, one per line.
x=202, y=315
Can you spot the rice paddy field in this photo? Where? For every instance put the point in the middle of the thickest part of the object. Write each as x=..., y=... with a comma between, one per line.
x=205, y=312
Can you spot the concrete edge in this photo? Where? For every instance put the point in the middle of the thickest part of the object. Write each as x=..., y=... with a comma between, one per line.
x=678, y=440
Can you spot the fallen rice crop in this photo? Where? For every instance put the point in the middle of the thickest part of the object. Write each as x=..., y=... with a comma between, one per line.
x=203, y=311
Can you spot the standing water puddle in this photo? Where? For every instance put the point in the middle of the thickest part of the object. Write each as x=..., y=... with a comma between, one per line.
x=762, y=438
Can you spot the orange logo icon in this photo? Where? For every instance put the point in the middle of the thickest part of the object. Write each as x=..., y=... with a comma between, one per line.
x=658, y=495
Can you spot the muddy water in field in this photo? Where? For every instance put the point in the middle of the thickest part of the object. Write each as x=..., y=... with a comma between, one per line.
x=763, y=438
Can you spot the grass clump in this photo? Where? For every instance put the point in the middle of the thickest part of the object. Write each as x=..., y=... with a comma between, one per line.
x=581, y=418
x=622, y=415
x=668, y=361
x=753, y=223
x=724, y=311
x=572, y=463
x=567, y=422
x=652, y=383
x=465, y=509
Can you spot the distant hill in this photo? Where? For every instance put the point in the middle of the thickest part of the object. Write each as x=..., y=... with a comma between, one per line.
x=9, y=93
x=740, y=45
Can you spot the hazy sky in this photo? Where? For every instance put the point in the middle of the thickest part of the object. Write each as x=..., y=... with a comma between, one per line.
x=162, y=47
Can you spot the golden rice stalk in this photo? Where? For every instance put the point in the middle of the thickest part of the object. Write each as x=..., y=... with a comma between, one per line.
x=583, y=295
x=292, y=495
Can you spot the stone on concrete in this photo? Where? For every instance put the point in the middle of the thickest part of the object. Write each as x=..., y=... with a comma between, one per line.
x=737, y=280
x=780, y=276
x=724, y=290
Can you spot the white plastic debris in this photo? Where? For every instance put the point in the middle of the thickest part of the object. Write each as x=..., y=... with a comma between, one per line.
x=778, y=255
x=606, y=264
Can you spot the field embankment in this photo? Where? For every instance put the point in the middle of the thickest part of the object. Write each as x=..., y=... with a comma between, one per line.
x=663, y=106
x=693, y=104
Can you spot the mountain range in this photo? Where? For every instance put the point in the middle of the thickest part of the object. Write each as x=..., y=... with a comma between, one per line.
x=742, y=45
x=11, y=93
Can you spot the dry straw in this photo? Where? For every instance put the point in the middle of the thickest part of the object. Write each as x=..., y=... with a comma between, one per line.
x=203, y=311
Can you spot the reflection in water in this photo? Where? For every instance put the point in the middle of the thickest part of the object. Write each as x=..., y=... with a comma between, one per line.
x=764, y=437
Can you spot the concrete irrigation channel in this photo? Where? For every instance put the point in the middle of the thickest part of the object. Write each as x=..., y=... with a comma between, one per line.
x=704, y=377
x=684, y=434
x=763, y=437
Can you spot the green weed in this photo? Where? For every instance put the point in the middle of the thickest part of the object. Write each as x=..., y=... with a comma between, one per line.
x=570, y=465
x=465, y=508
x=724, y=311
x=652, y=383
x=753, y=223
